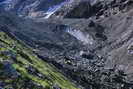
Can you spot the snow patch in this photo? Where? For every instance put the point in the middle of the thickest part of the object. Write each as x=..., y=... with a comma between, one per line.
x=53, y=9
x=86, y=39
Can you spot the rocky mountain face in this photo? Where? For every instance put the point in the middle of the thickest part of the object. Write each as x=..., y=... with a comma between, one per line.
x=30, y=8
x=89, y=41
x=93, y=8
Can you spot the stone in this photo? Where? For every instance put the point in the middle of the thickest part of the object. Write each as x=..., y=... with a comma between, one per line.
x=130, y=48
x=8, y=70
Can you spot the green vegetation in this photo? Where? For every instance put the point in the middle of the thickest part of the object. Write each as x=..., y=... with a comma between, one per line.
x=29, y=66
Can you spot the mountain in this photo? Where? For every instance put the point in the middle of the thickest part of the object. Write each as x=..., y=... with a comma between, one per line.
x=21, y=68
x=30, y=8
x=89, y=41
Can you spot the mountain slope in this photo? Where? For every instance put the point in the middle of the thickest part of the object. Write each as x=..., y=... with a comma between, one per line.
x=26, y=69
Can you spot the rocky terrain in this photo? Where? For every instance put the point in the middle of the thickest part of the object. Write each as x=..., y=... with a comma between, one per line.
x=88, y=41
x=20, y=68
x=30, y=8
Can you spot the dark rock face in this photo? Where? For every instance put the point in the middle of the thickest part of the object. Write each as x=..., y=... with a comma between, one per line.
x=83, y=10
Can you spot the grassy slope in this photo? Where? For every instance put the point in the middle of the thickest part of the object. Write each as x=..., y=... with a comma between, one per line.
x=25, y=57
